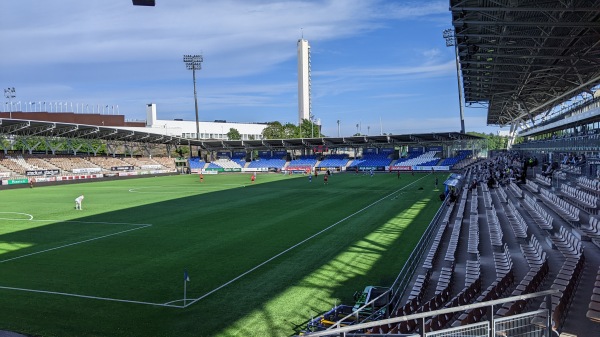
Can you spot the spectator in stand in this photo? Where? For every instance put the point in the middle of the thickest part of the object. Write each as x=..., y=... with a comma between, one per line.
x=581, y=160
x=549, y=170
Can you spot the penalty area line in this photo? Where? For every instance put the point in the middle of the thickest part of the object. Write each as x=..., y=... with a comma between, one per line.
x=74, y=243
x=90, y=297
x=192, y=301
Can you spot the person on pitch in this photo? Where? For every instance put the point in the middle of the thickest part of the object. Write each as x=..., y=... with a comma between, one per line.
x=78, y=202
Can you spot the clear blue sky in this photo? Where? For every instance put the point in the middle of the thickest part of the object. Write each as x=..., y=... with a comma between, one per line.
x=380, y=64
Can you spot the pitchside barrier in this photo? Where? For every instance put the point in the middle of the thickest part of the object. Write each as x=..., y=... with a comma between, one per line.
x=38, y=179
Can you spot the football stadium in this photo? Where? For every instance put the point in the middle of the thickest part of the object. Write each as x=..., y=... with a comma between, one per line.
x=113, y=228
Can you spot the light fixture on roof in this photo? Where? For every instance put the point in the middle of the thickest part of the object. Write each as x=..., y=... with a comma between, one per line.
x=144, y=2
x=10, y=93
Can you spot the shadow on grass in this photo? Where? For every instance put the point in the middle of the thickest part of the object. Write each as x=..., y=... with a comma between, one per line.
x=217, y=237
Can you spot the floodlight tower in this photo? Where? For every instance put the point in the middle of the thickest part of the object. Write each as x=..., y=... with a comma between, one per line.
x=193, y=62
x=450, y=37
x=9, y=93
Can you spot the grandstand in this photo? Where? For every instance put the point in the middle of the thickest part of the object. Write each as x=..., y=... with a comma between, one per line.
x=334, y=161
x=536, y=237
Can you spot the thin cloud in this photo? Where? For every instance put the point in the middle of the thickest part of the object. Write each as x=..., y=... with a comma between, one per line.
x=110, y=51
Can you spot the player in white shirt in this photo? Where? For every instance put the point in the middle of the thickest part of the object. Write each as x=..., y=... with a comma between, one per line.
x=78, y=202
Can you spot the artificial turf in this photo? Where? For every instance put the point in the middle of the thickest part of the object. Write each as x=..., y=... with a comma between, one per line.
x=262, y=257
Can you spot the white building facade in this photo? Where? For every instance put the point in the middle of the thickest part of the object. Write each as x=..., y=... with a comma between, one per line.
x=208, y=130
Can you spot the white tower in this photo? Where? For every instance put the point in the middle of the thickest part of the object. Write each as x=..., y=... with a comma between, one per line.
x=304, y=108
x=150, y=114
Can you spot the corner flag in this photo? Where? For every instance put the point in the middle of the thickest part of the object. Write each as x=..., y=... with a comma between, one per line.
x=186, y=277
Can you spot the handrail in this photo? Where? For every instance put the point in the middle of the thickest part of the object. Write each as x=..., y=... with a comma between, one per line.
x=340, y=330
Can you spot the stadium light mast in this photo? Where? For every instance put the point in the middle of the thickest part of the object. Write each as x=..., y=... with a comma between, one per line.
x=450, y=37
x=10, y=93
x=193, y=62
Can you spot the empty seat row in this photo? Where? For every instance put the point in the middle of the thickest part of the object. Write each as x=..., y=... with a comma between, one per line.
x=580, y=197
x=503, y=262
x=566, y=283
x=563, y=208
x=473, y=244
x=472, y=271
x=493, y=292
x=460, y=210
x=529, y=284
x=464, y=297
x=533, y=253
x=542, y=218
x=416, y=295
x=593, y=312
x=474, y=204
x=591, y=185
x=567, y=243
x=496, y=234
x=453, y=243
x=547, y=181
x=515, y=189
x=532, y=186
x=434, y=249
x=502, y=195
x=592, y=230
x=571, y=169
x=444, y=283
x=442, y=294
x=517, y=223
x=448, y=213
x=487, y=199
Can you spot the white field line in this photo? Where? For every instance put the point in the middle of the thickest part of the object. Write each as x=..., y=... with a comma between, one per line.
x=78, y=221
x=138, y=226
x=27, y=214
x=192, y=301
x=190, y=189
x=75, y=243
x=90, y=297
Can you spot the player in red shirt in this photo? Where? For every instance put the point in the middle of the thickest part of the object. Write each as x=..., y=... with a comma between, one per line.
x=325, y=178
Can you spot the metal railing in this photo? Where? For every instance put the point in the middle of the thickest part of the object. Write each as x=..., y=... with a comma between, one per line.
x=545, y=324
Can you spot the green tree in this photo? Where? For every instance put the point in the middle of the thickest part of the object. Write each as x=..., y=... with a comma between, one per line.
x=182, y=151
x=494, y=142
x=309, y=129
x=274, y=130
x=234, y=134
x=290, y=131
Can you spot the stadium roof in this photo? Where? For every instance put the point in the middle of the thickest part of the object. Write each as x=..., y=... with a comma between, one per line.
x=30, y=128
x=523, y=57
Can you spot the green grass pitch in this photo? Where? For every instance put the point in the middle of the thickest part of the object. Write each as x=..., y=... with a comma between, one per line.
x=262, y=257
